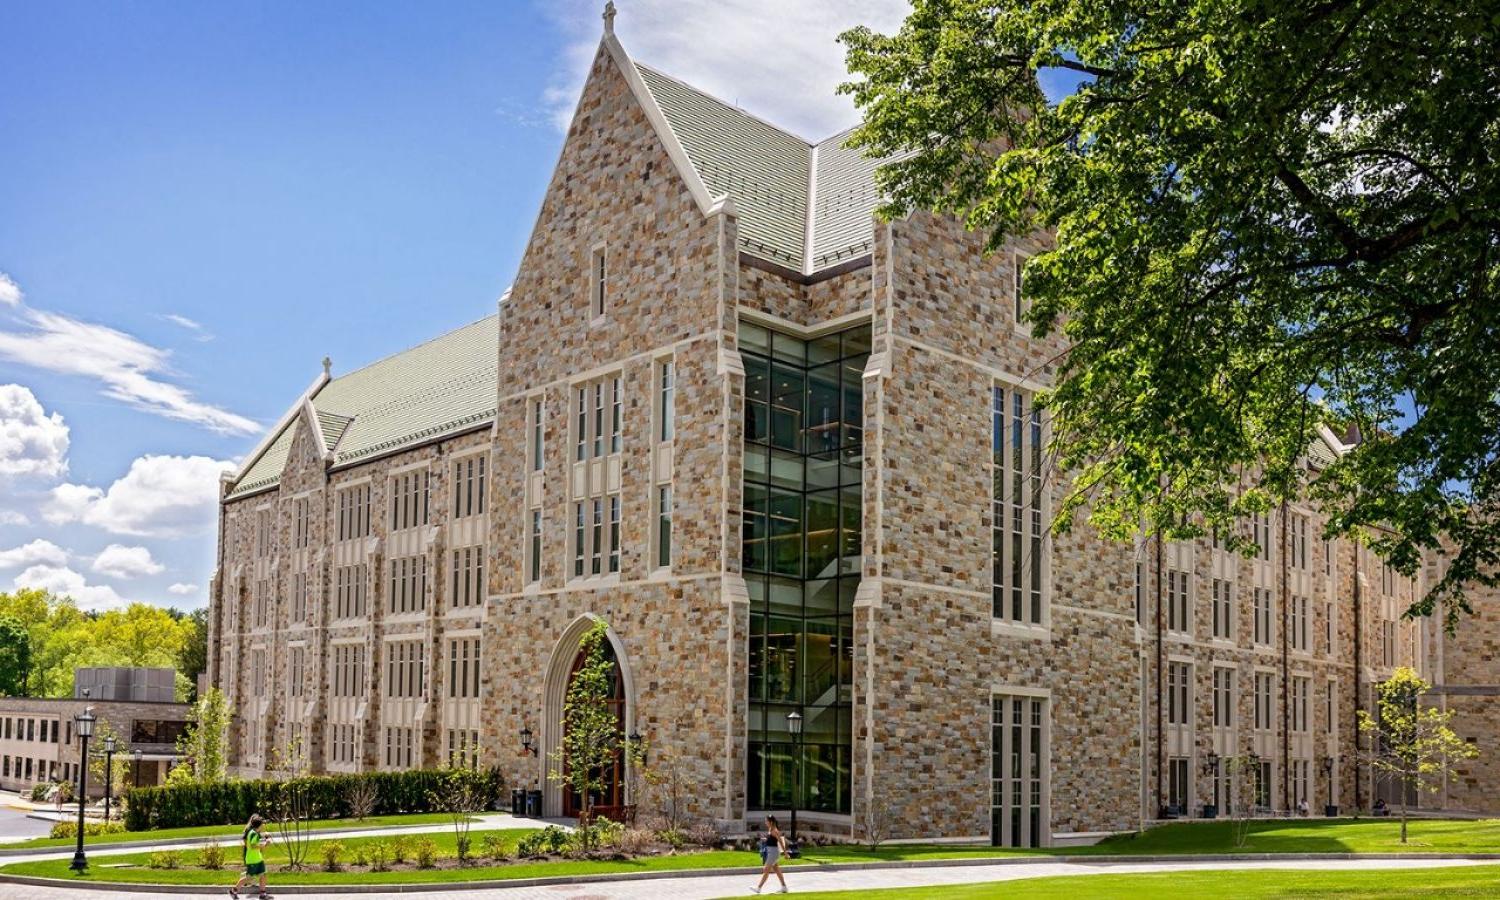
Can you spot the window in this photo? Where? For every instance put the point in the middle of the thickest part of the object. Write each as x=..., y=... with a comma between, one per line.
x=1177, y=783
x=580, y=538
x=468, y=486
x=1298, y=540
x=1264, y=710
x=1301, y=627
x=1328, y=704
x=301, y=522
x=1017, y=507
x=1223, y=601
x=1301, y=688
x=1179, y=693
x=1262, y=615
x=1388, y=642
x=1177, y=601
x=1327, y=556
x=463, y=668
x=1223, y=697
x=1018, y=769
x=613, y=562
x=537, y=447
x=400, y=745
x=257, y=673
x=408, y=580
x=297, y=663
x=354, y=512
x=1260, y=533
x=299, y=596
x=405, y=670
x=1263, y=785
x=348, y=670
x=341, y=743
x=263, y=532
x=534, y=547
x=1140, y=588
x=663, y=525
x=1387, y=580
x=410, y=492
x=597, y=284
x=349, y=591
x=1328, y=628
x=262, y=606
x=597, y=536
x=1018, y=285
x=463, y=748
x=468, y=577
x=666, y=402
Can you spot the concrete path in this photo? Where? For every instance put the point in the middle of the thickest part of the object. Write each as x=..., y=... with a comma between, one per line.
x=706, y=887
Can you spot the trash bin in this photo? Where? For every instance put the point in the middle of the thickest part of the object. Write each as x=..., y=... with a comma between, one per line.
x=517, y=802
x=1210, y=810
x=534, y=804
x=1331, y=811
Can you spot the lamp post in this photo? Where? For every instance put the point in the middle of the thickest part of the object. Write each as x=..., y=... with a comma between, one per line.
x=528, y=744
x=794, y=725
x=1328, y=808
x=84, y=723
x=136, y=755
x=1210, y=766
x=109, y=771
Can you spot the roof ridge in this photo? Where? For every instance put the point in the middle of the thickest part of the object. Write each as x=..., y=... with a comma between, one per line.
x=722, y=102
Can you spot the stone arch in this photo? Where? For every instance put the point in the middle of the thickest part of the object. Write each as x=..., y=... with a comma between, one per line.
x=555, y=689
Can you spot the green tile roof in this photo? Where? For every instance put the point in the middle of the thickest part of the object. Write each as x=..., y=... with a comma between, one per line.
x=444, y=386
x=773, y=177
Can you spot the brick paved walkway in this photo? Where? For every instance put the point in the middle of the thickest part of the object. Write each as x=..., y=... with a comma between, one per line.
x=703, y=888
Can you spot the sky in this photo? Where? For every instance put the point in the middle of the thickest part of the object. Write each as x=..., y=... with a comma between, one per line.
x=198, y=202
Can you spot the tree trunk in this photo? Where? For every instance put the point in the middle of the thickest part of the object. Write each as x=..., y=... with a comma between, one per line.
x=1403, y=814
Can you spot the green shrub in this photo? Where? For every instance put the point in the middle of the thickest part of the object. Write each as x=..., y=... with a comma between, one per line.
x=165, y=859
x=69, y=829
x=211, y=856
x=39, y=792
x=332, y=852
x=541, y=843
x=328, y=797
x=360, y=856
x=400, y=848
x=426, y=853
x=380, y=856
x=673, y=837
x=494, y=846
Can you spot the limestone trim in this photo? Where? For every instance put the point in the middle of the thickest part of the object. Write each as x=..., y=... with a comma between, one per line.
x=599, y=581
x=806, y=332
x=612, y=367
x=310, y=418
x=559, y=667
x=1022, y=382
x=281, y=425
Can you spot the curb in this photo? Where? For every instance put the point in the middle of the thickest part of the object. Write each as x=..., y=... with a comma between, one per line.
x=1103, y=862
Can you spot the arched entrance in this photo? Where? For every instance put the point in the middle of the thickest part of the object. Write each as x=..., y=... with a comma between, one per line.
x=610, y=802
x=561, y=665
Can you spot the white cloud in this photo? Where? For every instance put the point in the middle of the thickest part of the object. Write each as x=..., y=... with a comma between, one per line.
x=165, y=496
x=32, y=443
x=63, y=581
x=182, y=589
x=199, y=332
x=10, y=292
x=13, y=517
x=776, y=58
x=38, y=552
x=119, y=561
x=126, y=368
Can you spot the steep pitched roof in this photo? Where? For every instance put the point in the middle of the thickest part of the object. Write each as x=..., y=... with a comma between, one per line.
x=801, y=205
x=441, y=387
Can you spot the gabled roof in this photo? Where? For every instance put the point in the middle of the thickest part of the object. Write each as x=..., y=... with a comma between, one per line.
x=801, y=205
x=442, y=387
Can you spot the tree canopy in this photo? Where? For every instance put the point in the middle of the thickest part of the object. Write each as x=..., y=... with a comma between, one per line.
x=61, y=637
x=1267, y=216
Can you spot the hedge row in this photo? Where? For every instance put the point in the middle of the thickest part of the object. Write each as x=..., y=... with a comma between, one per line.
x=325, y=796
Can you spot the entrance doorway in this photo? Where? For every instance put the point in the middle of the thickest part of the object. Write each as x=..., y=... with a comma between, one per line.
x=610, y=802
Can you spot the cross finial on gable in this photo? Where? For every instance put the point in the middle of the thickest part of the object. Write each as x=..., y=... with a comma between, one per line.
x=327, y=366
x=609, y=17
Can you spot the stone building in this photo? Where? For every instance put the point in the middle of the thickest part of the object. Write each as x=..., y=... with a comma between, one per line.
x=788, y=453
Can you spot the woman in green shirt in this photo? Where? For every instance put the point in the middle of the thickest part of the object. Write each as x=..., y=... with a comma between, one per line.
x=255, y=860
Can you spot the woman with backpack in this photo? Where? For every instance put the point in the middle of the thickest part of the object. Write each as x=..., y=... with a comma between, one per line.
x=772, y=846
x=252, y=842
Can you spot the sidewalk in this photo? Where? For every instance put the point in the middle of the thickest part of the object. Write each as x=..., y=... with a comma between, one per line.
x=800, y=881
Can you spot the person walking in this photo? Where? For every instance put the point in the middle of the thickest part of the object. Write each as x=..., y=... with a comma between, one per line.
x=772, y=847
x=252, y=842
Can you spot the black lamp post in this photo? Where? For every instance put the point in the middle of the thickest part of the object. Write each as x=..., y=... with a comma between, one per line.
x=794, y=725
x=136, y=755
x=1328, y=808
x=84, y=722
x=109, y=781
x=528, y=744
x=636, y=746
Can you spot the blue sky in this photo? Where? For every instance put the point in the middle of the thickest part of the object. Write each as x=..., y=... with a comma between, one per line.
x=199, y=201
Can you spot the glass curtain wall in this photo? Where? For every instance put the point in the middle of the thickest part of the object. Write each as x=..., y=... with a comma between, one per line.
x=804, y=415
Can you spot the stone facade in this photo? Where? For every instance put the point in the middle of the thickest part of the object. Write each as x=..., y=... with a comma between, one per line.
x=38, y=743
x=931, y=664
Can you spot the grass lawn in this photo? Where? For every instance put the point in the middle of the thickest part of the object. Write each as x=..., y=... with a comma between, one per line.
x=1460, y=881
x=1304, y=836
x=228, y=832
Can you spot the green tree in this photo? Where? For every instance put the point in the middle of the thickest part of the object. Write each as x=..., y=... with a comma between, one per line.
x=192, y=659
x=119, y=763
x=203, y=743
x=591, y=733
x=1413, y=744
x=1265, y=216
x=15, y=657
